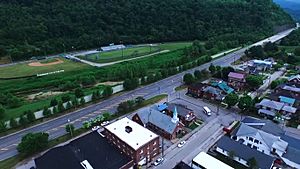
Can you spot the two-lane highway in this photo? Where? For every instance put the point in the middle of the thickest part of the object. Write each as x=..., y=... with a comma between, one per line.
x=56, y=127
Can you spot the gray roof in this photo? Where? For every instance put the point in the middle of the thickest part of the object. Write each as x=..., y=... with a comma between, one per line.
x=264, y=125
x=289, y=109
x=267, y=112
x=264, y=161
x=291, y=88
x=213, y=90
x=158, y=119
x=271, y=104
x=269, y=139
x=293, y=150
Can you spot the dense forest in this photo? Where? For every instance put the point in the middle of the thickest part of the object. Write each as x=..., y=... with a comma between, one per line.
x=29, y=27
x=292, y=40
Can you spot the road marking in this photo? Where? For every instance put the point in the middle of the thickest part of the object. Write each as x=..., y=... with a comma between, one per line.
x=3, y=149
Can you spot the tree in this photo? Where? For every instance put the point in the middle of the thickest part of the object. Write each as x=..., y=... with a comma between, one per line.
x=277, y=82
x=130, y=84
x=13, y=123
x=94, y=97
x=82, y=101
x=254, y=81
x=70, y=129
x=23, y=121
x=32, y=143
x=54, y=110
x=65, y=98
x=46, y=112
x=30, y=116
x=231, y=99
x=212, y=69
x=2, y=112
x=60, y=107
x=197, y=74
x=75, y=102
x=53, y=102
x=79, y=93
x=107, y=91
x=297, y=51
x=252, y=163
x=245, y=103
x=255, y=52
x=69, y=105
x=3, y=126
x=188, y=79
x=106, y=116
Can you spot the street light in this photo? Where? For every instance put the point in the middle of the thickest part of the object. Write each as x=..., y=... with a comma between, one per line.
x=70, y=127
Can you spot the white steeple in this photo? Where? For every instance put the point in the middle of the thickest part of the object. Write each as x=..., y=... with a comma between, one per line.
x=175, y=118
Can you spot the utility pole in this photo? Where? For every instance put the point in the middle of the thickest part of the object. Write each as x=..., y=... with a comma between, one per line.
x=70, y=128
x=162, y=146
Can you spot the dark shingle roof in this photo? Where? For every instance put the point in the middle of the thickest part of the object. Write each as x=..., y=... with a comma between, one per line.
x=293, y=150
x=264, y=161
x=182, y=165
x=91, y=147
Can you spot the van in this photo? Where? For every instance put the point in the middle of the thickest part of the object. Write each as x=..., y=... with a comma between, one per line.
x=207, y=111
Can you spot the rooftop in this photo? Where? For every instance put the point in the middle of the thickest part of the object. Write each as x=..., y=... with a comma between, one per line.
x=297, y=77
x=291, y=88
x=236, y=75
x=181, y=109
x=288, y=100
x=223, y=86
x=90, y=147
x=245, y=152
x=158, y=119
x=271, y=104
x=210, y=162
x=289, y=109
x=131, y=133
x=182, y=165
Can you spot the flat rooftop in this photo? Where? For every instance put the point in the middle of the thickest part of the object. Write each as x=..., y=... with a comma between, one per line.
x=209, y=162
x=131, y=133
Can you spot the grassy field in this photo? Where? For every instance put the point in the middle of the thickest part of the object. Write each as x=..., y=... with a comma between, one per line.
x=133, y=52
x=24, y=69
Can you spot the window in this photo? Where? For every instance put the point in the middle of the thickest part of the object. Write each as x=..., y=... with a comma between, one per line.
x=141, y=151
x=255, y=147
x=250, y=139
x=249, y=144
x=256, y=141
x=154, y=143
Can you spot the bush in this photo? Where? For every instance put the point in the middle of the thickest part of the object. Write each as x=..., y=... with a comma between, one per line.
x=79, y=93
x=32, y=143
x=13, y=123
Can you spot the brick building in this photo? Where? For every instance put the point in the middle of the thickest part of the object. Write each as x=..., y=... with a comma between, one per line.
x=134, y=140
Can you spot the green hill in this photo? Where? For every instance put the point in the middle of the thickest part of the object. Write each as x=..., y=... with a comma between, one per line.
x=29, y=27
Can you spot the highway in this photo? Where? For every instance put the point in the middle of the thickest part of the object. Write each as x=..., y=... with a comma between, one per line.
x=56, y=127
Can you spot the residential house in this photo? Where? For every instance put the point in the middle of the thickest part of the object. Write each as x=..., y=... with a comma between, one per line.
x=186, y=115
x=242, y=153
x=223, y=86
x=237, y=80
x=292, y=152
x=160, y=123
x=196, y=89
x=271, y=108
x=137, y=142
x=89, y=151
x=258, y=66
x=294, y=79
x=213, y=93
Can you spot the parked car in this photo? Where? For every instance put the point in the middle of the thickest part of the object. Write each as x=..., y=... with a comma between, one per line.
x=104, y=123
x=207, y=111
x=158, y=161
x=181, y=144
x=95, y=128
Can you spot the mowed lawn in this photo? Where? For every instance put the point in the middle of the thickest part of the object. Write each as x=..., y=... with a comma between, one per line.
x=135, y=51
x=24, y=69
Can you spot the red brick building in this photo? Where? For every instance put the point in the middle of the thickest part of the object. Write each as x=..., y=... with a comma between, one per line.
x=134, y=140
x=237, y=80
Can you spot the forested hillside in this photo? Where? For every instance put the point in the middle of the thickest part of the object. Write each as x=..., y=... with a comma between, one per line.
x=29, y=27
x=291, y=6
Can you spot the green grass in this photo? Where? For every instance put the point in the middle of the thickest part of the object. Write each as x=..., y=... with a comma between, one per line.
x=10, y=163
x=24, y=69
x=154, y=100
x=288, y=49
x=48, y=60
x=179, y=88
x=133, y=52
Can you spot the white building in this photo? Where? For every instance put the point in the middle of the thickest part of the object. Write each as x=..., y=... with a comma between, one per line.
x=203, y=160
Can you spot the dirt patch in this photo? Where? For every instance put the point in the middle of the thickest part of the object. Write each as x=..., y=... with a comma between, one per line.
x=109, y=83
x=42, y=95
x=58, y=61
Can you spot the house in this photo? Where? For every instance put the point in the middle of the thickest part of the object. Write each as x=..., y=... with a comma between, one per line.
x=294, y=79
x=271, y=108
x=291, y=154
x=182, y=165
x=237, y=80
x=260, y=140
x=213, y=93
x=139, y=143
x=204, y=160
x=186, y=115
x=196, y=90
x=160, y=123
x=85, y=151
x=242, y=153
x=223, y=86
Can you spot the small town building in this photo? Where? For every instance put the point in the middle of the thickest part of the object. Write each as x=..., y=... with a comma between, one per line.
x=137, y=142
x=294, y=79
x=160, y=123
x=237, y=80
x=243, y=154
x=196, y=90
x=90, y=151
x=223, y=86
x=203, y=160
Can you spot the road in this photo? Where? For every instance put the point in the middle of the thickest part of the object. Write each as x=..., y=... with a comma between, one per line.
x=56, y=127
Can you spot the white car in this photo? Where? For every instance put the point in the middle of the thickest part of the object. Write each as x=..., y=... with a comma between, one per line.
x=104, y=123
x=95, y=128
x=207, y=111
x=181, y=144
x=158, y=161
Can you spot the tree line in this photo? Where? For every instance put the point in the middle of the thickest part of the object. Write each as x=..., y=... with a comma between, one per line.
x=30, y=28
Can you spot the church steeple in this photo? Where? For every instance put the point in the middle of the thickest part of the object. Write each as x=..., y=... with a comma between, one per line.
x=175, y=118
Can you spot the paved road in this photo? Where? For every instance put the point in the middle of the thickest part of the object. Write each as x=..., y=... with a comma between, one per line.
x=56, y=127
